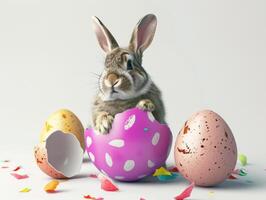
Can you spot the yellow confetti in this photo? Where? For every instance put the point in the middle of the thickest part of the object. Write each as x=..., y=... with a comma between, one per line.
x=210, y=193
x=25, y=190
x=162, y=171
x=51, y=186
x=243, y=159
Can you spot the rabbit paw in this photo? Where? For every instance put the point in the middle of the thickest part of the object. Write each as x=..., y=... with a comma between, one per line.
x=146, y=105
x=103, y=123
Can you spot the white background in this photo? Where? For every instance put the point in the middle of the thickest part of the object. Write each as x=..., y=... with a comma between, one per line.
x=205, y=54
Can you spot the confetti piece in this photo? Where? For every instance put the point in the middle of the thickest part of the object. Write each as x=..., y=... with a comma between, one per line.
x=173, y=169
x=236, y=171
x=167, y=178
x=232, y=177
x=51, y=186
x=4, y=167
x=242, y=172
x=5, y=160
x=146, y=129
x=18, y=176
x=186, y=193
x=25, y=190
x=92, y=176
x=92, y=198
x=210, y=193
x=17, y=168
x=142, y=198
x=162, y=171
x=107, y=185
x=243, y=159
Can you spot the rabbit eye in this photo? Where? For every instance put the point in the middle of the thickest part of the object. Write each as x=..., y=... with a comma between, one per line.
x=129, y=65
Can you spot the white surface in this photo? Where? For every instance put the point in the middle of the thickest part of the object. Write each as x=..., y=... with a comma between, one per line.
x=205, y=54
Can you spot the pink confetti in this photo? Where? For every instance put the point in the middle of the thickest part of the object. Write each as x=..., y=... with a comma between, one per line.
x=236, y=171
x=186, y=193
x=18, y=176
x=93, y=176
x=17, y=168
x=107, y=185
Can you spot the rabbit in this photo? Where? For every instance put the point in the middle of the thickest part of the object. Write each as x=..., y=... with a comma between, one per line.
x=124, y=83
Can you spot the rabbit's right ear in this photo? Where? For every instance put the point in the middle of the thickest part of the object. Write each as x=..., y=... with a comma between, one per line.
x=105, y=38
x=143, y=33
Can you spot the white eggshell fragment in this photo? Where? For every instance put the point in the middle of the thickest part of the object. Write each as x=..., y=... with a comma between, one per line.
x=60, y=156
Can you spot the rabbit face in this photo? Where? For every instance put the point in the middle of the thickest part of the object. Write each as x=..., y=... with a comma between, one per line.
x=123, y=77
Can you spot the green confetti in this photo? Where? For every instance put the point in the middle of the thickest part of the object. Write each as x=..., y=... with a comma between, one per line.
x=242, y=172
x=243, y=159
x=167, y=178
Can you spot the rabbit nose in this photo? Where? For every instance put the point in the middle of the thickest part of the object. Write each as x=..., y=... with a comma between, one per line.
x=112, y=80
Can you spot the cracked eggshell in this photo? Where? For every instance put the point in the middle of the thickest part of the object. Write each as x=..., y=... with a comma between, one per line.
x=136, y=145
x=205, y=149
x=65, y=121
x=60, y=156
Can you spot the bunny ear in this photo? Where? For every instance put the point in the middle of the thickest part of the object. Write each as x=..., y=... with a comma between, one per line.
x=143, y=33
x=105, y=38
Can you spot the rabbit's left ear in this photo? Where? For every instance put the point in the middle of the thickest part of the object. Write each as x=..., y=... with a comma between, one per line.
x=143, y=33
x=105, y=38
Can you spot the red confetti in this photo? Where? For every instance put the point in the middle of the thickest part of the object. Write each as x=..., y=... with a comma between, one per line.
x=107, y=185
x=93, y=176
x=92, y=198
x=186, y=193
x=232, y=177
x=17, y=168
x=173, y=169
x=18, y=176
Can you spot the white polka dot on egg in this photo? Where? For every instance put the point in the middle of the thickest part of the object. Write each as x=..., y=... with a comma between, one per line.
x=108, y=160
x=141, y=176
x=129, y=165
x=92, y=157
x=129, y=123
x=150, y=164
x=89, y=141
x=117, y=143
x=155, y=138
x=150, y=116
x=119, y=177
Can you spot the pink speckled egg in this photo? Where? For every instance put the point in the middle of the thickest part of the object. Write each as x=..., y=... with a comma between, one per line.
x=205, y=149
x=136, y=145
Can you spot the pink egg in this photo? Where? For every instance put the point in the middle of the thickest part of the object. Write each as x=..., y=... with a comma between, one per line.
x=136, y=145
x=205, y=149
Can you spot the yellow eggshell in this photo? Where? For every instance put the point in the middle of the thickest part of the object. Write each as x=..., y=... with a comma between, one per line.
x=65, y=121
